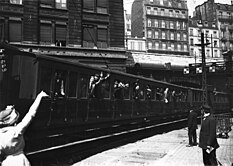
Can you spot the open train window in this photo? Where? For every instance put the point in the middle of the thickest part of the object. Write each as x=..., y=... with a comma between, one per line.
x=45, y=81
x=73, y=77
x=83, y=86
x=99, y=86
x=60, y=83
x=120, y=89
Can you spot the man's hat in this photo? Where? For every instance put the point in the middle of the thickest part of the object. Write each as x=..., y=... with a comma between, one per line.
x=8, y=116
x=206, y=108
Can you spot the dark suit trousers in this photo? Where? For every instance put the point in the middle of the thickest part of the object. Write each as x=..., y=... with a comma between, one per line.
x=192, y=136
x=209, y=159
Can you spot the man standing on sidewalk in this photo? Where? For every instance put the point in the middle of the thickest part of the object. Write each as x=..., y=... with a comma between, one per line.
x=192, y=126
x=207, y=140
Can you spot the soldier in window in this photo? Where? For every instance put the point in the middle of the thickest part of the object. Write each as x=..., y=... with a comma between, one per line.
x=59, y=85
x=136, y=90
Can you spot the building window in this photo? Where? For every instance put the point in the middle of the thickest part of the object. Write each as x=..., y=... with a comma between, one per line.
x=171, y=12
x=149, y=45
x=215, y=43
x=156, y=45
x=148, y=10
x=172, y=47
x=61, y=4
x=155, y=11
x=191, y=42
x=60, y=38
x=208, y=53
x=45, y=33
x=216, y=53
x=149, y=22
x=178, y=47
x=102, y=6
x=16, y=2
x=156, y=23
x=132, y=45
x=172, y=36
x=102, y=37
x=213, y=24
x=191, y=32
x=178, y=36
x=185, y=47
x=15, y=31
x=164, y=46
x=46, y=3
x=177, y=13
x=149, y=34
x=163, y=25
x=156, y=34
x=171, y=25
x=89, y=36
x=95, y=36
x=140, y=46
x=88, y=5
x=163, y=35
x=161, y=2
x=162, y=12
x=177, y=25
x=192, y=52
x=184, y=37
x=215, y=34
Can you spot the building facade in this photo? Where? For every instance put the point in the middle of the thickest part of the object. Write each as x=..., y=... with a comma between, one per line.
x=86, y=26
x=222, y=14
x=211, y=32
x=164, y=24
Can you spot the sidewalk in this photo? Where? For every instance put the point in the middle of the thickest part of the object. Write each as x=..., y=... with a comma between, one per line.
x=168, y=149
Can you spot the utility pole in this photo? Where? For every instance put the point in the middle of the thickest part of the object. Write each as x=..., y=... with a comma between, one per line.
x=204, y=86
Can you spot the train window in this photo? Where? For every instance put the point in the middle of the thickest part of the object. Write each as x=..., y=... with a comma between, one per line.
x=120, y=89
x=126, y=91
x=136, y=90
x=99, y=86
x=105, y=88
x=73, y=76
x=83, y=86
x=45, y=81
x=159, y=94
x=60, y=83
x=148, y=92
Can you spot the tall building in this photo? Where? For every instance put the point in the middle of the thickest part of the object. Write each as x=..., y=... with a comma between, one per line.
x=211, y=32
x=222, y=14
x=83, y=29
x=164, y=24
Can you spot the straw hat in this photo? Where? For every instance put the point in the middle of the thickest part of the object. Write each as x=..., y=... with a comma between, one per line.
x=8, y=116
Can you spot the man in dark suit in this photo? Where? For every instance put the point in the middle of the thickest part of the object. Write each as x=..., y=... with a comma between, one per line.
x=207, y=140
x=192, y=126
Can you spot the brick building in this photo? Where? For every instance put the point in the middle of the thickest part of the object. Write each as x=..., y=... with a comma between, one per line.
x=86, y=30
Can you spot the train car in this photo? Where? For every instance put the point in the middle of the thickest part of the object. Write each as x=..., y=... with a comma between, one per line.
x=84, y=99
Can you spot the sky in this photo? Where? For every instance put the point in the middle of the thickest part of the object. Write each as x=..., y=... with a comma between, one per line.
x=191, y=4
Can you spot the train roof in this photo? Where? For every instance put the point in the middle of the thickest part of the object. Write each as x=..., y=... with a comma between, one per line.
x=15, y=50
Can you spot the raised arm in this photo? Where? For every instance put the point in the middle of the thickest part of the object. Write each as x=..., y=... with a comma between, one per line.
x=21, y=127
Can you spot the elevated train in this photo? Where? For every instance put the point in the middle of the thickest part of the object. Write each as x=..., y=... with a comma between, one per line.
x=84, y=98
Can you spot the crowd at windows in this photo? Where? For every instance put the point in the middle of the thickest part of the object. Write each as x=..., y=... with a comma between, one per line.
x=99, y=86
